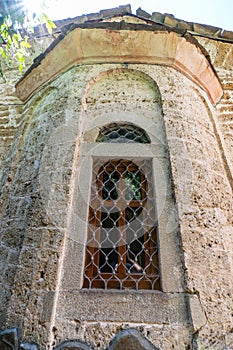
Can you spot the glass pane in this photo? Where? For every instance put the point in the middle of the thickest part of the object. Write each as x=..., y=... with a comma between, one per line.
x=109, y=237
x=133, y=186
x=109, y=185
x=136, y=256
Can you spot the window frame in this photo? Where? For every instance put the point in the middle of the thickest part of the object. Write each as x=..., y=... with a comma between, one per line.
x=106, y=151
x=121, y=277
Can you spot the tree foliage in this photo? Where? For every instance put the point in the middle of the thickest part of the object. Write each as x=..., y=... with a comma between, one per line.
x=16, y=23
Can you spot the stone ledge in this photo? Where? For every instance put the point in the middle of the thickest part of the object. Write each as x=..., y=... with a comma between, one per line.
x=121, y=42
x=117, y=306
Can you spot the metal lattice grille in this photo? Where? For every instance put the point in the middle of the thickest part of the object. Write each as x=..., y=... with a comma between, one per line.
x=121, y=250
x=125, y=133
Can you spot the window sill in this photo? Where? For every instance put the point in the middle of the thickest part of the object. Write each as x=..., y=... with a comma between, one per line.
x=142, y=306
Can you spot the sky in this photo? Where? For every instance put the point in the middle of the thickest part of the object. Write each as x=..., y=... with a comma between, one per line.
x=218, y=13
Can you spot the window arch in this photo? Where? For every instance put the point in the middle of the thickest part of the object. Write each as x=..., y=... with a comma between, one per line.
x=121, y=132
x=121, y=247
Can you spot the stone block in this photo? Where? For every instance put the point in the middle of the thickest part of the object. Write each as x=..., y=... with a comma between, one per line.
x=94, y=16
x=94, y=305
x=142, y=13
x=205, y=29
x=47, y=306
x=185, y=25
x=171, y=21
x=72, y=345
x=158, y=17
x=9, y=339
x=197, y=313
x=130, y=339
x=226, y=34
x=121, y=10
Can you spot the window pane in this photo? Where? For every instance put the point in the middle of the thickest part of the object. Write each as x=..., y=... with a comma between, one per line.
x=133, y=185
x=109, y=185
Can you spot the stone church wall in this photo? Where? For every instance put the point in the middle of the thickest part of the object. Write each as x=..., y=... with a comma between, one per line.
x=39, y=150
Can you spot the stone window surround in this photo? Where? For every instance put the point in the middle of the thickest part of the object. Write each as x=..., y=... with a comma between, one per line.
x=151, y=152
x=170, y=305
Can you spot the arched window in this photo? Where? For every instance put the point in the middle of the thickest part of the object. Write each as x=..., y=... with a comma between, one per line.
x=122, y=248
x=124, y=133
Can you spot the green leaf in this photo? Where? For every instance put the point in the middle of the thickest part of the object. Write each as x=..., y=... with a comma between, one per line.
x=50, y=25
x=13, y=47
x=3, y=53
x=16, y=39
x=20, y=67
x=20, y=57
x=24, y=44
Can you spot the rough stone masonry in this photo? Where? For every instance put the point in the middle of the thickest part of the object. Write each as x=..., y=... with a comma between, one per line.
x=174, y=80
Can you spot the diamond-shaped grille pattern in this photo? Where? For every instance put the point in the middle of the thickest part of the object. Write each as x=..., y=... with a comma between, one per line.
x=125, y=133
x=121, y=249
